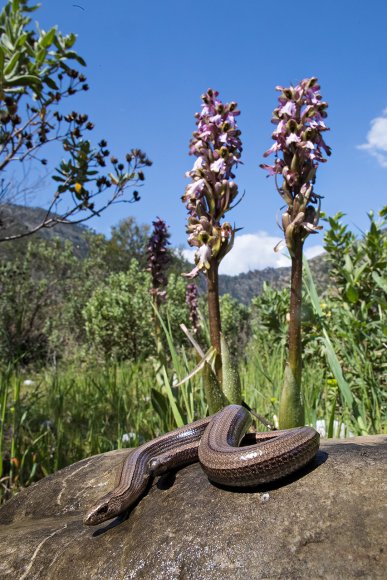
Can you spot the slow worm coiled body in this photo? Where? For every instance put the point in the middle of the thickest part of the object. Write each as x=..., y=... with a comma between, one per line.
x=213, y=441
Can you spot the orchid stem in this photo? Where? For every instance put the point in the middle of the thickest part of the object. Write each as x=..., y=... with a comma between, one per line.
x=214, y=314
x=291, y=411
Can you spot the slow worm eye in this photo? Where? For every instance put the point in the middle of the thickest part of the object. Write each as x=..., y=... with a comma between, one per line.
x=103, y=509
x=153, y=464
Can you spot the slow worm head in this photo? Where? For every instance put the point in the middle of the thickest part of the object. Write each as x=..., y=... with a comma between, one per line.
x=172, y=450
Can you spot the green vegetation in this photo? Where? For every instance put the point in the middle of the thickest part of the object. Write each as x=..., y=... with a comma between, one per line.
x=81, y=330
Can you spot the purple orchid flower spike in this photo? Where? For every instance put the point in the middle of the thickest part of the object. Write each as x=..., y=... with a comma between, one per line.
x=216, y=144
x=299, y=147
x=158, y=260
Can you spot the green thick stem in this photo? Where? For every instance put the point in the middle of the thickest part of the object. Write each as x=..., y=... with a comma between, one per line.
x=231, y=381
x=214, y=395
x=214, y=315
x=291, y=411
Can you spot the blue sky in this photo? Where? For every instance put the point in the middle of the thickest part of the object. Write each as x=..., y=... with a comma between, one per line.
x=149, y=62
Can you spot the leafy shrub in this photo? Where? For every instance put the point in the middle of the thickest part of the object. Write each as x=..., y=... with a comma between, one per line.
x=33, y=287
x=235, y=318
x=118, y=316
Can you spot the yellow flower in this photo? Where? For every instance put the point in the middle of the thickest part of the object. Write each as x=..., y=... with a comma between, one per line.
x=78, y=187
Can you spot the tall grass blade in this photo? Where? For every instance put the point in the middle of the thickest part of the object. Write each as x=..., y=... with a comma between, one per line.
x=176, y=414
x=168, y=335
x=332, y=359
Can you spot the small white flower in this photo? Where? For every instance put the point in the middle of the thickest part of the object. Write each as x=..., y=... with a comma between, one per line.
x=321, y=427
x=128, y=437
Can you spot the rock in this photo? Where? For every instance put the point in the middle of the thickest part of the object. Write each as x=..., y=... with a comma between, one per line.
x=326, y=522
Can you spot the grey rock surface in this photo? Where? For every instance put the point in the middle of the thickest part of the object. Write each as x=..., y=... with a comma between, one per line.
x=329, y=521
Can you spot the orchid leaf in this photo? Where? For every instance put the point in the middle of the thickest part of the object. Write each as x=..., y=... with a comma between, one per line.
x=192, y=340
x=208, y=358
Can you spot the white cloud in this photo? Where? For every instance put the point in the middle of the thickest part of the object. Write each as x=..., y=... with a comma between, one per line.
x=313, y=251
x=377, y=139
x=254, y=252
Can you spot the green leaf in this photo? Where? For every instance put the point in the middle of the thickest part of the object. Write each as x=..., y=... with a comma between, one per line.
x=215, y=398
x=31, y=8
x=23, y=81
x=348, y=265
x=70, y=39
x=46, y=39
x=311, y=288
x=363, y=428
x=352, y=294
x=22, y=40
x=359, y=271
x=159, y=403
x=168, y=337
x=59, y=42
x=208, y=357
x=336, y=369
x=79, y=59
x=12, y=63
x=41, y=56
x=51, y=83
x=194, y=343
x=5, y=41
x=176, y=414
x=380, y=281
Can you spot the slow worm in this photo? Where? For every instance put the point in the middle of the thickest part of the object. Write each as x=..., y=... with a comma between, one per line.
x=215, y=442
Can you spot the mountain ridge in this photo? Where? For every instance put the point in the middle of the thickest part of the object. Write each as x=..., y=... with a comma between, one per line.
x=243, y=287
